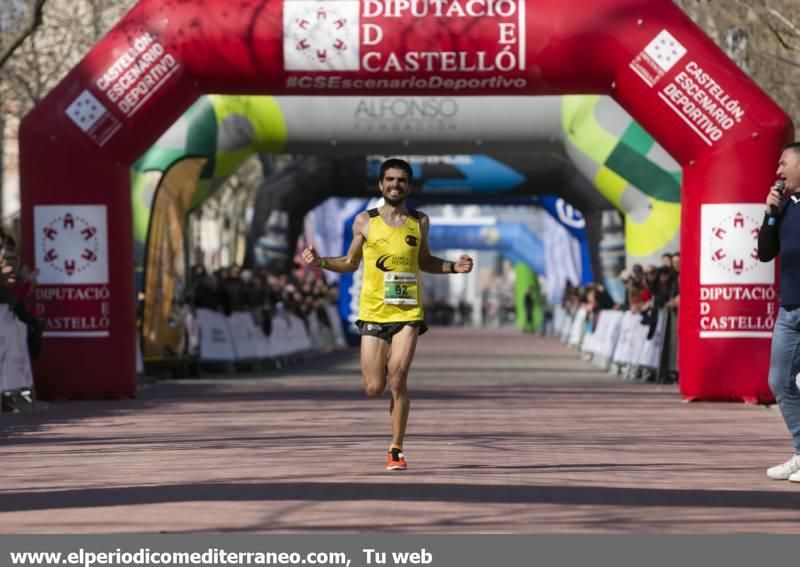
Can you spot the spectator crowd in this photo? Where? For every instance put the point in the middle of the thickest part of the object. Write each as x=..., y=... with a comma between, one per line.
x=650, y=290
x=17, y=288
x=262, y=293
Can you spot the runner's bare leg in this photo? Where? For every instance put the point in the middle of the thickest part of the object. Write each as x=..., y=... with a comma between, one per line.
x=404, y=344
x=374, y=353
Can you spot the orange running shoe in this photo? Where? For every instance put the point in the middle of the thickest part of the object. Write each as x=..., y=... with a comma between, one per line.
x=396, y=461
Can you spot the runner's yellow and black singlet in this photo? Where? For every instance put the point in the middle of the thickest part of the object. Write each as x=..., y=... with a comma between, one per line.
x=390, y=291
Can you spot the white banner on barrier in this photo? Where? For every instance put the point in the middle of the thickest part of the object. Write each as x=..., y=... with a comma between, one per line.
x=215, y=339
x=192, y=326
x=650, y=351
x=18, y=363
x=578, y=327
x=139, y=360
x=289, y=334
x=565, y=324
x=299, y=335
x=611, y=330
x=622, y=352
x=336, y=325
x=633, y=345
x=263, y=347
x=315, y=332
x=279, y=338
x=602, y=341
x=15, y=364
x=248, y=340
x=239, y=338
x=6, y=338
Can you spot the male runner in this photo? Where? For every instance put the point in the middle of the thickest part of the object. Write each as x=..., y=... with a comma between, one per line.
x=393, y=241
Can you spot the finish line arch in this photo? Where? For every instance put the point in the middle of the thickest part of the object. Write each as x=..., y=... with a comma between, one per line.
x=77, y=146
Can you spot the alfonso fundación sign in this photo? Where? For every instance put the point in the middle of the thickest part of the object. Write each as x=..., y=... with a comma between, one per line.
x=72, y=295
x=737, y=291
x=400, y=44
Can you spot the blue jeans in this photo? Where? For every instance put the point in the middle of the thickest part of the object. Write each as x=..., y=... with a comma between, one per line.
x=784, y=365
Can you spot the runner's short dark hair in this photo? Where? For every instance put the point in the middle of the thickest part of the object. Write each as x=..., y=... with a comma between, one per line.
x=395, y=163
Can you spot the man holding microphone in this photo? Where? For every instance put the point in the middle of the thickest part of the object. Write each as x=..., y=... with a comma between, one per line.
x=780, y=236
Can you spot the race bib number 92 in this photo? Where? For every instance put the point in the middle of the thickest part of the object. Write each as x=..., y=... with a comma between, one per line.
x=400, y=288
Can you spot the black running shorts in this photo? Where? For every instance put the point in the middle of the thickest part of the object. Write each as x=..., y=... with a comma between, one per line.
x=386, y=331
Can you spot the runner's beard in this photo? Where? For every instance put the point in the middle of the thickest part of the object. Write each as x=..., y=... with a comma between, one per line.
x=394, y=201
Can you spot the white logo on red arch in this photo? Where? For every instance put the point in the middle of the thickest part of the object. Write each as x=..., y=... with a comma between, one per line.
x=728, y=245
x=92, y=117
x=321, y=35
x=658, y=57
x=86, y=110
x=71, y=244
x=665, y=50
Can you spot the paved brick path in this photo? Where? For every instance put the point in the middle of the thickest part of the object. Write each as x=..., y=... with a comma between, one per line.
x=508, y=433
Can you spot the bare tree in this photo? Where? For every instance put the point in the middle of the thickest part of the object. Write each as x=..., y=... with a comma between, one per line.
x=28, y=20
x=69, y=29
x=762, y=37
x=40, y=42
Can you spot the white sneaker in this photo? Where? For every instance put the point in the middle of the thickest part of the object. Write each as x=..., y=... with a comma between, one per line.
x=786, y=471
x=795, y=477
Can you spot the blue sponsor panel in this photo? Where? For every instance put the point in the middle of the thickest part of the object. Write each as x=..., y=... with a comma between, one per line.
x=513, y=239
x=571, y=219
x=459, y=174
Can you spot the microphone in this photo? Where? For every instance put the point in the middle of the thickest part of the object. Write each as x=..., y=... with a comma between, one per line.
x=779, y=186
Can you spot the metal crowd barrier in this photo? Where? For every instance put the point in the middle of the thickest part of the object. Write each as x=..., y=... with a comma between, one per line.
x=237, y=338
x=219, y=339
x=622, y=344
x=16, y=377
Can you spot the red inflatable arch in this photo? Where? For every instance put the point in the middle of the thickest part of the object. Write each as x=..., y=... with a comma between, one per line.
x=77, y=145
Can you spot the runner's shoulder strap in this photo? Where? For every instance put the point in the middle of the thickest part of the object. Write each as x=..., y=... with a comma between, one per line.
x=411, y=212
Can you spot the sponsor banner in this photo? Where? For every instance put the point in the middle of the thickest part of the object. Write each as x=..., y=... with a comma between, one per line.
x=406, y=115
x=564, y=213
x=562, y=258
x=15, y=364
x=216, y=343
x=343, y=44
x=72, y=296
x=124, y=86
x=421, y=123
x=737, y=291
x=691, y=91
x=74, y=311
